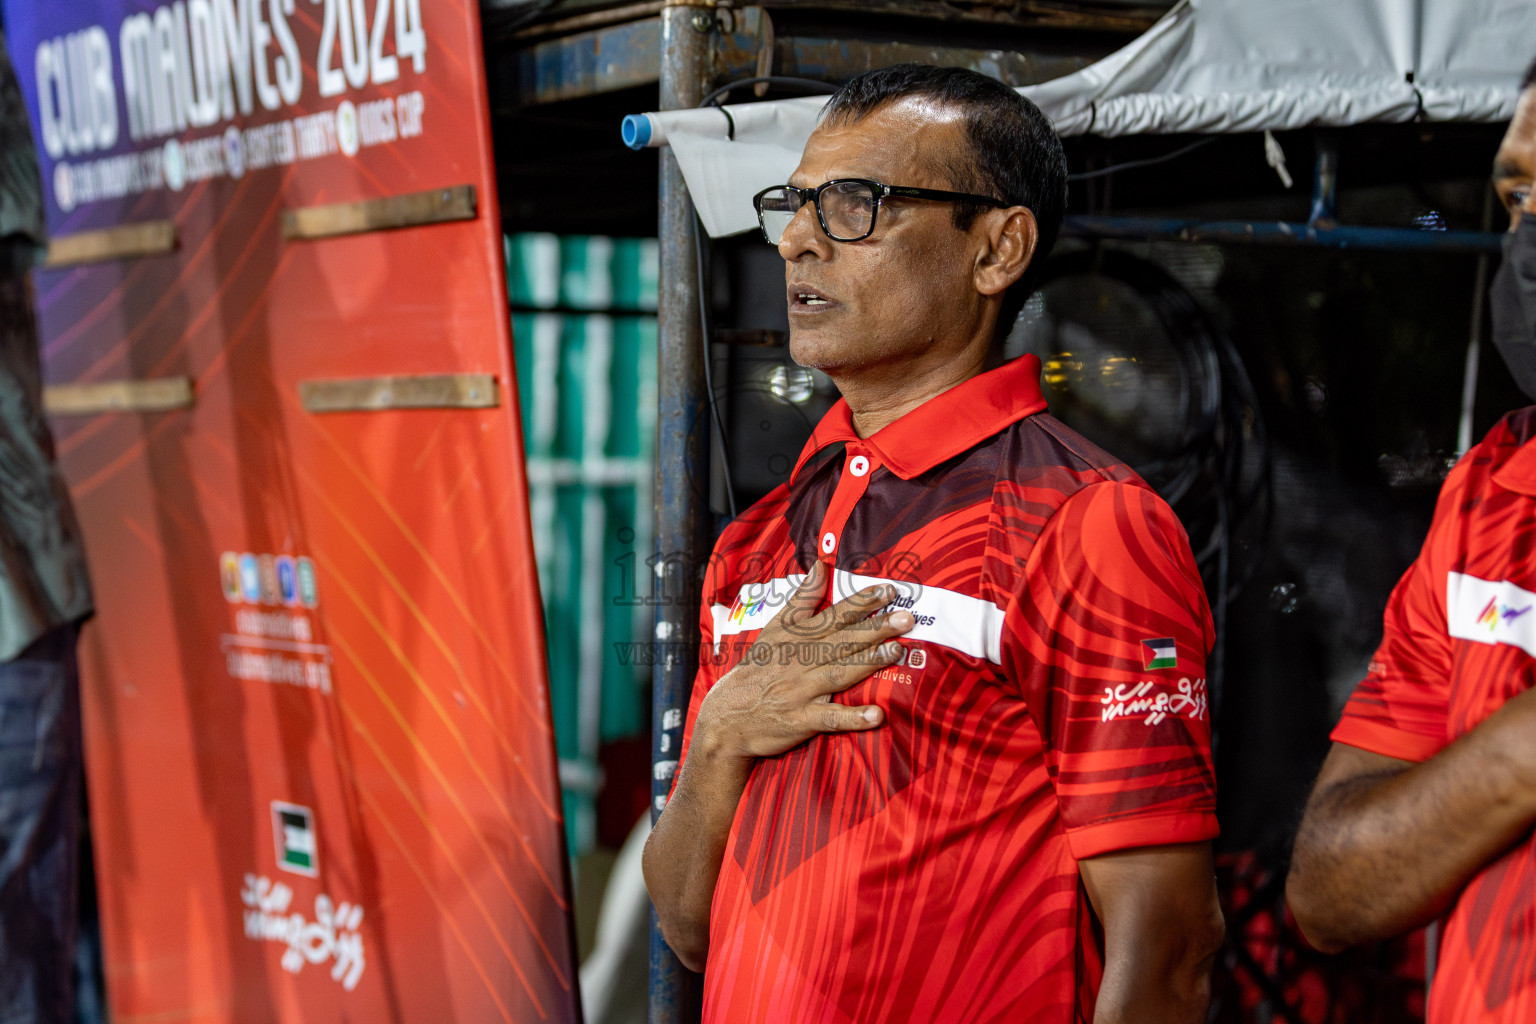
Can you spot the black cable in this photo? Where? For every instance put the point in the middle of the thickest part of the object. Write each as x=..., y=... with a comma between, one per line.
x=1218, y=672
x=815, y=85
x=1150, y=161
x=504, y=21
x=702, y=282
x=709, y=376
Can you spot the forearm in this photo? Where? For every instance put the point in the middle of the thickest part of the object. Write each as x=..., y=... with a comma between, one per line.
x=1162, y=930
x=1176, y=992
x=1379, y=853
x=684, y=851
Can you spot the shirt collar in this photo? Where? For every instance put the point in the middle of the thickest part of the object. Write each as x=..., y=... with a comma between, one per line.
x=942, y=427
x=1518, y=473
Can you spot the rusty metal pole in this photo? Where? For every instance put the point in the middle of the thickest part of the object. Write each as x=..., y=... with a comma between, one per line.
x=682, y=467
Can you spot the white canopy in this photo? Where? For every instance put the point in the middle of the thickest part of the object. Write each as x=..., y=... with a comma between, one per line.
x=1208, y=66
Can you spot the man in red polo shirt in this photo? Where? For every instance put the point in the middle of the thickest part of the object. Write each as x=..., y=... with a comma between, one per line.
x=1425, y=805
x=948, y=754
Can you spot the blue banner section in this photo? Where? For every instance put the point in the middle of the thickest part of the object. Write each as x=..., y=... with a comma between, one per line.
x=132, y=102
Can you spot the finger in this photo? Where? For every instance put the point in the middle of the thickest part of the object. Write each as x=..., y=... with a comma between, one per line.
x=854, y=663
x=808, y=596
x=861, y=605
x=841, y=718
x=857, y=639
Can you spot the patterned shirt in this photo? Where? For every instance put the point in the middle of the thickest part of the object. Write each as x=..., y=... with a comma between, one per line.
x=43, y=582
x=1459, y=639
x=1049, y=707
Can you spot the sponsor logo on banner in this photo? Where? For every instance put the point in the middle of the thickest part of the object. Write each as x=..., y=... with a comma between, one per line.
x=1490, y=612
x=175, y=170
x=332, y=937
x=287, y=580
x=275, y=641
x=309, y=593
x=293, y=833
x=1160, y=652
x=229, y=575
x=250, y=578
x=268, y=579
x=346, y=128
x=266, y=566
x=234, y=152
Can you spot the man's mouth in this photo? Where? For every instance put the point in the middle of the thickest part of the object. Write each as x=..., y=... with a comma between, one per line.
x=807, y=300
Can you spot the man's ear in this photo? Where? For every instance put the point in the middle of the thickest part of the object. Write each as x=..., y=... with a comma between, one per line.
x=1010, y=236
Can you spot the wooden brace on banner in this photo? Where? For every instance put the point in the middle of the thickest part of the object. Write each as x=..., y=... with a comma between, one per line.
x=381, y=394
x=160, y=394
x=126, y=241
x=434, y=206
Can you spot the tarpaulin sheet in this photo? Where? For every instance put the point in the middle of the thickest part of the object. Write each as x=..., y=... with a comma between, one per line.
x=1208, y=66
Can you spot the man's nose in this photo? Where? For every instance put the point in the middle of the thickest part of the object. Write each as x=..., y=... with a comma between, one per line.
x=804, y=235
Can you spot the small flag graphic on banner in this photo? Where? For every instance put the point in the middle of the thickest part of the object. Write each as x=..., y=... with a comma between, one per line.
x=1159, y=653
x=293, y=828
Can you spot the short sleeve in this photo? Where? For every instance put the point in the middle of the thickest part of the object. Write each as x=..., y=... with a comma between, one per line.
x=1401, y=708
x=1107, y=639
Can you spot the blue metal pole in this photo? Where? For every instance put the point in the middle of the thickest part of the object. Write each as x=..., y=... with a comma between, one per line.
x=1143, y=229
x=682, y=472
x=1325, y=180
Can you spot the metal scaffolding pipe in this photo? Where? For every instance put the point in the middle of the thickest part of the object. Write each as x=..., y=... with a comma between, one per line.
x=682, y=469
x=1144, y=229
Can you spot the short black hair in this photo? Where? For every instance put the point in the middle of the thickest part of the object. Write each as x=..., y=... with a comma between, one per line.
x=1530, y=77
x=1015, y=153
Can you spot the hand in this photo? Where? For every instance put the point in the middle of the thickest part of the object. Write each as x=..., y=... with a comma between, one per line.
x=758, y=710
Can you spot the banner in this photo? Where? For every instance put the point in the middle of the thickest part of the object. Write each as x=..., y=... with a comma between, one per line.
x=320, y=764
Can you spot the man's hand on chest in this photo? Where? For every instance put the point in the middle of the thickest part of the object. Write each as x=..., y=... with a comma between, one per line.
x=780, y=694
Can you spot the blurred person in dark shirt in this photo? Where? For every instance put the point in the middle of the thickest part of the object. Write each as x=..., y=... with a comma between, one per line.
x=44, y=596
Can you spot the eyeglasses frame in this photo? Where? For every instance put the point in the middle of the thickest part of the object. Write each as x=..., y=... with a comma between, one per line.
x=881, y=191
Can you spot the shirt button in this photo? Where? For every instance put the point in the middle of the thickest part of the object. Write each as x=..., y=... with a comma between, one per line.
x=858, y=466
x=828, y=542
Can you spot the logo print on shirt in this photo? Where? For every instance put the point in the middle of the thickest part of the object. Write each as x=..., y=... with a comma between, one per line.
x=1160, y=652
x=1490, y=612
x=1143, y=700
x=741, y=609
x=907, y=668
x=1494, y=612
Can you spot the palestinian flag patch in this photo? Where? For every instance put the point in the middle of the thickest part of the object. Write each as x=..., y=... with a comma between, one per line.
x=1159, y=653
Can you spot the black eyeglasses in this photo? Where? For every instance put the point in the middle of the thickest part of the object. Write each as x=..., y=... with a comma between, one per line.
x=846, y=207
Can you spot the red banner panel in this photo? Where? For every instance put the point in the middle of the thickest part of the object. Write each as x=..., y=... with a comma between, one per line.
x=320, y=763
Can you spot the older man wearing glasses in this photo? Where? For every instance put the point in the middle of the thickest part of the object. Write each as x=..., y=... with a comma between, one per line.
x=949, y=759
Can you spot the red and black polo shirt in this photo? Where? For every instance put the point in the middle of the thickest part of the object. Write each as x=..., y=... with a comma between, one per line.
x=1051, y=707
